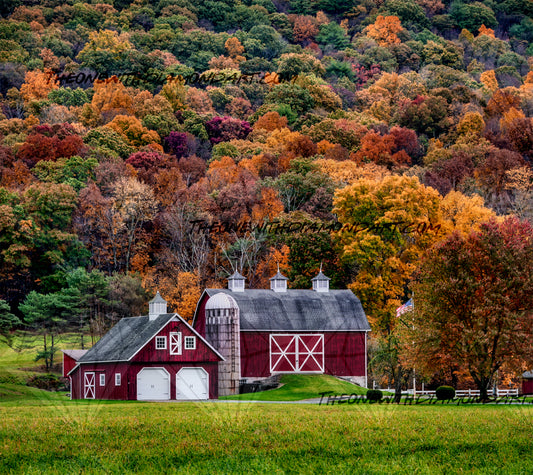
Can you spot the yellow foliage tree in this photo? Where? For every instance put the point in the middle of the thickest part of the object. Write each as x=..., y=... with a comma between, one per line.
x=488, y=79
x=471, y=123
x=385, y=30
x=105, y=40
x=175, y=92
x=463, y=213
x=347, y=172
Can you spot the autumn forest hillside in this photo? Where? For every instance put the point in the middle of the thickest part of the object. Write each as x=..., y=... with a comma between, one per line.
x=145, y=144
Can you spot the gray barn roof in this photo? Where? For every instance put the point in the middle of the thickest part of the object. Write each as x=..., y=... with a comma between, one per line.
x=75, y=354
x=298, y=310
x=125, y=339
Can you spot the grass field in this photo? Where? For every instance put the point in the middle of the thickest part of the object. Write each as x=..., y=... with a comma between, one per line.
x=62, y=436
x=43, y=432
x=298, y=387
x=18, y=364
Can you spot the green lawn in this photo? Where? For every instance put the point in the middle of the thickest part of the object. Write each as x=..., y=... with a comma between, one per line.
x=298, y=387
x=18, y=363
x=62, y=436
x=47, y=433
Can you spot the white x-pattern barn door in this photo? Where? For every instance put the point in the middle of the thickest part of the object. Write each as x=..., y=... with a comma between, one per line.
x=297, y=353
x=88, y=385
x=175, y=343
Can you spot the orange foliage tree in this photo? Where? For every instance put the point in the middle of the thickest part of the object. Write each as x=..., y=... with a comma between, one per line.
x=271, y=121
x=37, y=85
x=134, y=132
x=305, y=28
x=109, y=100
x=385, y=30
x=180, y=289
x=235, y=49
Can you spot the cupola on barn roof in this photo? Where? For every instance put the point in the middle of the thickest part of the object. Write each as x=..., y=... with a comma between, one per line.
x=236, y=282
x=157, y=306
x=320, y=282
x=278, y=283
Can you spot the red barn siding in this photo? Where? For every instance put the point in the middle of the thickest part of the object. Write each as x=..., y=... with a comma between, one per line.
x=68, y=364
x=128, y=388
x=199, y=321
x=149, y=353
x=344, y=353
x=255, y=354
x=527, y=386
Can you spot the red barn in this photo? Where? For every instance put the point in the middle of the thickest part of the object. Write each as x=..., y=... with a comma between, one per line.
x=262, y=332
x=155, y=357
x=70, y=360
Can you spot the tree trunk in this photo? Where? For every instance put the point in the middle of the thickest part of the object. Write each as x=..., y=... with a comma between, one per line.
x=398, y=385
x=52, y=349
x=46, y=363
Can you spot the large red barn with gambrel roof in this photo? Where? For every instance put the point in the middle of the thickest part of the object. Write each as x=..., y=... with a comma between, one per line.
x=261, y=333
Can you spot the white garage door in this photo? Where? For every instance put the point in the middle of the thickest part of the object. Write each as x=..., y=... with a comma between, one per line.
x=192, y=383
x=153, y=384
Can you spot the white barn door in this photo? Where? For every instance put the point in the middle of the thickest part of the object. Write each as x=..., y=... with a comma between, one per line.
x=153, y=384
x=192, y=383
x=88, y=385
x=290, y=353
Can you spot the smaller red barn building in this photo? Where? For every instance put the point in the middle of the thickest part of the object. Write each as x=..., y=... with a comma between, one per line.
x=70, y=360
x=155, y=357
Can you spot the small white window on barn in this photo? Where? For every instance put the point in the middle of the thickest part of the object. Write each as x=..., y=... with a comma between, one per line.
x=102, y=380
x=117, y=379
x=190, y=343
x=160, y=342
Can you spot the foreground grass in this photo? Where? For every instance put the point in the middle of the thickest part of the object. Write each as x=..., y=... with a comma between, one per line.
x=65, y=436
x=301, y=386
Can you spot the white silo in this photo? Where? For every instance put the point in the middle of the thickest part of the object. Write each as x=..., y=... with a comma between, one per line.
x=222, y=330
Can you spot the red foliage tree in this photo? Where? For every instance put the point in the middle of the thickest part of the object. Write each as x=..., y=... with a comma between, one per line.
x=147, y=164
x=224, y=129
x=47, y=142
x=448, y=175
x=474, y=296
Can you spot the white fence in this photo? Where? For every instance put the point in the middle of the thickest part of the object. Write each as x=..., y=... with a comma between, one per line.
x=468, y=392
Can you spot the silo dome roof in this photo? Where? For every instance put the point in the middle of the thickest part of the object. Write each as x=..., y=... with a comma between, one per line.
x=221, y=300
